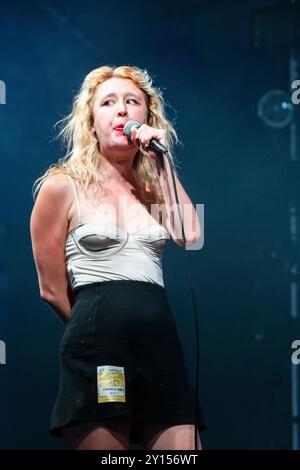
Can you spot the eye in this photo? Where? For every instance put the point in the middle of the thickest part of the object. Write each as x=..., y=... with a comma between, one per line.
x=111, y=101
x=107, y=101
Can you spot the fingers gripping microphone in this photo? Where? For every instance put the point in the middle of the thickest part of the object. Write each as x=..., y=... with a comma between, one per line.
x=154, y=144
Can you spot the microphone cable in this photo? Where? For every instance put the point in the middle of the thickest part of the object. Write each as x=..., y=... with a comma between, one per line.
x=197, y=417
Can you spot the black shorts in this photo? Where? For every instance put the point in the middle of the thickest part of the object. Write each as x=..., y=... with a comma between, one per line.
x=120, y=356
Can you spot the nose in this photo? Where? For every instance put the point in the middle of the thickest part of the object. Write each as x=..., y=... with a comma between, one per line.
x=122, y=110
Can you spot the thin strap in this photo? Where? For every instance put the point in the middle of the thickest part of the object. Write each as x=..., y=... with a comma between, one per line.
x=76, y=198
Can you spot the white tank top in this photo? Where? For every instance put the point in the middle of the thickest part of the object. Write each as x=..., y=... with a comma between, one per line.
x=98, y=251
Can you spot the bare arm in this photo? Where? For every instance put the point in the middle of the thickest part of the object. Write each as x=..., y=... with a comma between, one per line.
x=188, y=212
x=173, y=212
x=49, y=230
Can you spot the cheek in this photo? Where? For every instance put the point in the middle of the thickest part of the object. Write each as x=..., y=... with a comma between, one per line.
x=101, y=122
x=143, y=115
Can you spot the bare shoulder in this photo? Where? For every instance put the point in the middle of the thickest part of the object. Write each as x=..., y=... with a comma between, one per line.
x=49, y=217
x=57, y=188
x=55, y=194
x=59, y=183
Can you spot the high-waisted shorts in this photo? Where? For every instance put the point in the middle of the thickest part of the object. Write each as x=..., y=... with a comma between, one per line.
x=120, y=355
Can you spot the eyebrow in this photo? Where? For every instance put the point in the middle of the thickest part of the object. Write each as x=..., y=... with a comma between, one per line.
x=126, y=94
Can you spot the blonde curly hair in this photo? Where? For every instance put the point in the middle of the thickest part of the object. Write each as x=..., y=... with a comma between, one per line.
x=82, y=157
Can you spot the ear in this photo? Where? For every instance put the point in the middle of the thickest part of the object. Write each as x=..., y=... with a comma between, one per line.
x=92, y=130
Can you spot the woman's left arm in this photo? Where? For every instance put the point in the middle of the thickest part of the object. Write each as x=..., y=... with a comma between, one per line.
x=171, y=214
x=189, y=217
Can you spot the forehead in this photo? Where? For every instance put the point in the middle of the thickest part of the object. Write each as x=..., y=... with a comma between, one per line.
x=117, y=86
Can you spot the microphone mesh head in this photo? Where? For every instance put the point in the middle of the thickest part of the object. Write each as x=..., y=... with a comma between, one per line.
x=129, y=126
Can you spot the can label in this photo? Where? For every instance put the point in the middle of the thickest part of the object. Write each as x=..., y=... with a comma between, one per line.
x=111, y=384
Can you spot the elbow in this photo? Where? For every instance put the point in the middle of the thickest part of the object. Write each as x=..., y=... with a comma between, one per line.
x=192, y=229
x=48, y=295
x=192, y=241
x=45, y=295
x=188, y=239
x=55, y=293
x=52, y=289
x=193, y=236
x=197, y=237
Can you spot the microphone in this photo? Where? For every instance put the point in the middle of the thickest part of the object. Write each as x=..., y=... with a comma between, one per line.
x=153, y=142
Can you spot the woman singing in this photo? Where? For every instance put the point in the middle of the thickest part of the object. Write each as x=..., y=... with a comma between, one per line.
x=100, y=223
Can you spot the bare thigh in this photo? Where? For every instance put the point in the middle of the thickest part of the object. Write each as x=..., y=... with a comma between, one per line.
x=113, y=435
x=179, y=437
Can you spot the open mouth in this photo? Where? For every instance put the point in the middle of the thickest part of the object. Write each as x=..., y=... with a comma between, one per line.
x=119, y=130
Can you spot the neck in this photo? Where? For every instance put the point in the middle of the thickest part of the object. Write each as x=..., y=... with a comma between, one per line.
x=118, y=170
